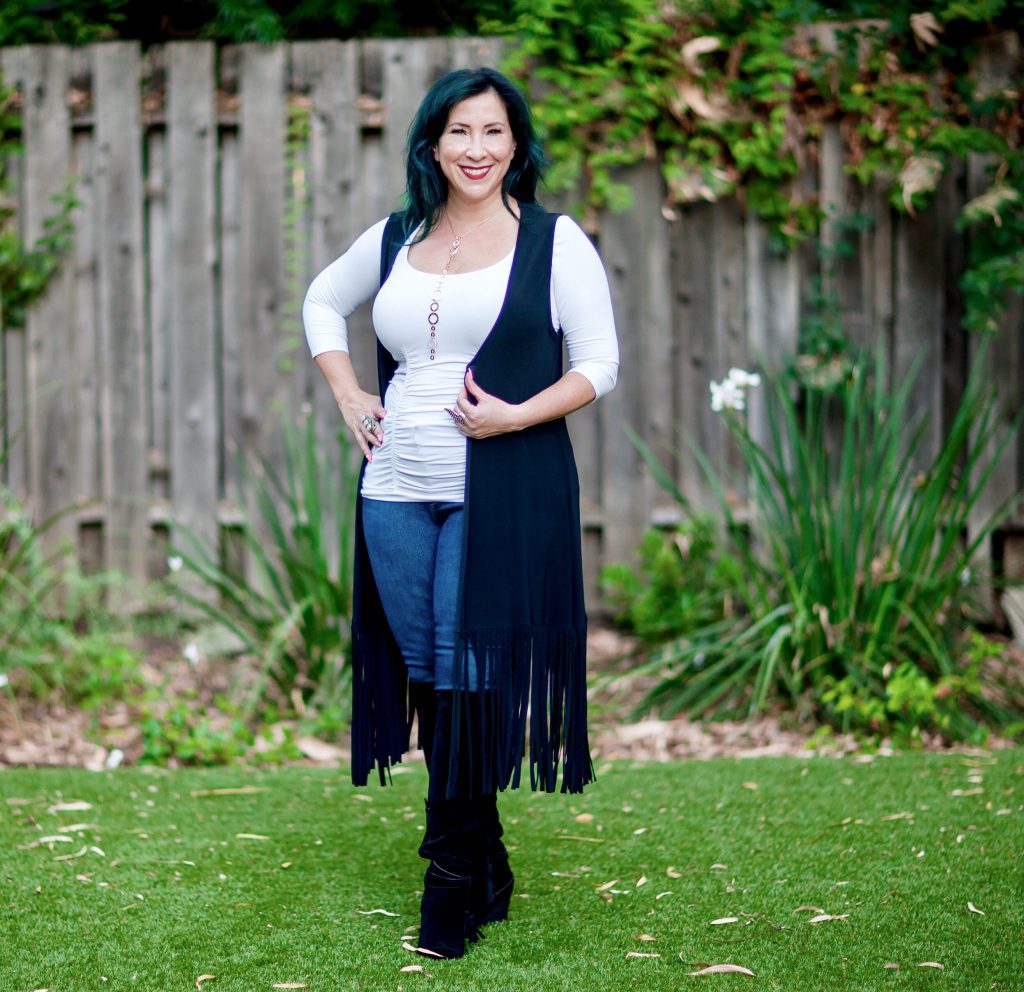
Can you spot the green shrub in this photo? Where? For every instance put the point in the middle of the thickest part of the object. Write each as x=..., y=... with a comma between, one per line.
x=858, y=584
x=683, y=582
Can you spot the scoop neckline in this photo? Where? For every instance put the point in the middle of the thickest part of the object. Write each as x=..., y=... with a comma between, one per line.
x=472, y=272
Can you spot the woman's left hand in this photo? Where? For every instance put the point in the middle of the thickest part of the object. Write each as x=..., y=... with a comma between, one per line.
x=484, y=415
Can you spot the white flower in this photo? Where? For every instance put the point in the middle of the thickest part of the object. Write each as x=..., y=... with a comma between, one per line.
x=175, y=563
x=965, y=578
x=726, y=395
x=744, y=379
x=191, y=653
x=3, y=679
x=114, y=759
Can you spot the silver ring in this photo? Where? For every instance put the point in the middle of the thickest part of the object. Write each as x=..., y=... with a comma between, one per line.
x=370, y=424
x=457, y=417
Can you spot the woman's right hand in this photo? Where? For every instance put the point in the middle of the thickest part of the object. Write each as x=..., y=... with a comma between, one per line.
x=357, y=405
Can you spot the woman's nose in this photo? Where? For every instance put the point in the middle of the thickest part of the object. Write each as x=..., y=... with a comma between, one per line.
x=476, y=146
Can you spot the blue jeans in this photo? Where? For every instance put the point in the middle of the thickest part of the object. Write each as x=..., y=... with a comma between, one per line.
x=416, y=555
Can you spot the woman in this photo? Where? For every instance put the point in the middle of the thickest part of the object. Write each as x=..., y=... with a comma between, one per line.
x=468, y=603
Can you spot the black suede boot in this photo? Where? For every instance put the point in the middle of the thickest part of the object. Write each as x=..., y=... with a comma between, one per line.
x=446, y=918
x=500, y=879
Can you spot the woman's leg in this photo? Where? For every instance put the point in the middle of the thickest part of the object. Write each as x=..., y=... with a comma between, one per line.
x=416, y=551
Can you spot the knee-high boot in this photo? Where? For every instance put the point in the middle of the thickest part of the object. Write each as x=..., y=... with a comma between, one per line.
x=499, y=877
x=453, y=843
x=445, y=906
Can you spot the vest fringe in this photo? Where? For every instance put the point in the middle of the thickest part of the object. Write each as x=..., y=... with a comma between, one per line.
x=509, y=680
x=380, y=686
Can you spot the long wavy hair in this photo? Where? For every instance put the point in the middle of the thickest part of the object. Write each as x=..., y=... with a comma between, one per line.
x=426, y=190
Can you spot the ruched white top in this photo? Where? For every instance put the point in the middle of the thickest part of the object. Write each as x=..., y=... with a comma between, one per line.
x=423, y=457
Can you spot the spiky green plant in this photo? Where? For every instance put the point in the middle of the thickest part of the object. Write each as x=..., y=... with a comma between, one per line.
x=293, y=612
x=860, y=576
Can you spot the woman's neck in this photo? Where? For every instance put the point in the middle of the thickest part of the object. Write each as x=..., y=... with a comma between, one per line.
x=462, y=216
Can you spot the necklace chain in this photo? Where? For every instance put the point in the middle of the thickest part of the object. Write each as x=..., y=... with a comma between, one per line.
x=435, y=303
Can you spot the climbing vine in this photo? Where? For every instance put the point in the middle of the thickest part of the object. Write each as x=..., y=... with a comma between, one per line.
x=25, y=271
x=731, y=98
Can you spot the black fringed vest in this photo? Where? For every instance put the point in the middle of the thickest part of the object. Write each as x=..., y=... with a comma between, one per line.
x=521, y=630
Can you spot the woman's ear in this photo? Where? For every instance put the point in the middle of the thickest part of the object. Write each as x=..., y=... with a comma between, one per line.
x=437, y=158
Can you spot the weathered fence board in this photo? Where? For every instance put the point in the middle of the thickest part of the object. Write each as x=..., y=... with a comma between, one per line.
x=88, y=486
x=697, y=359
x=265, y=390
x=170, y=342
x=118, y=178
x=191, y=287
x=48, y=468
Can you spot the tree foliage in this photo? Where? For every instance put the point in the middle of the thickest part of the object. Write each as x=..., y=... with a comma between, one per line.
x=731, y=97
x=71, y=22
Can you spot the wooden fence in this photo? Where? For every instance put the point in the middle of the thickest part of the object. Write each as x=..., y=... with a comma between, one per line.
x=215, y=183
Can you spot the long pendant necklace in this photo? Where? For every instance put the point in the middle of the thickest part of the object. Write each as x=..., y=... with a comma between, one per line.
x=435, y=302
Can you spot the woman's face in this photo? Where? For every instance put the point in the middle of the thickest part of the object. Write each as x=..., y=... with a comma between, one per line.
x=476, y=147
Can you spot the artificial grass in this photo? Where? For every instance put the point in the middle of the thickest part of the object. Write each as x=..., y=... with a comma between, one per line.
x=900, y=843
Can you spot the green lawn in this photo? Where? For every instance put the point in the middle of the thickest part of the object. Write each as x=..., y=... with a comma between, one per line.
x=164, y=885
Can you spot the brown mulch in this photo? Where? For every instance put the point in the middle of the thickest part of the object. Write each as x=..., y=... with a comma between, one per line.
x=37, y=733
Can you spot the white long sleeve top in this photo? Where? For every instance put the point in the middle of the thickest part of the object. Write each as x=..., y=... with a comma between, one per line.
x=423, y=457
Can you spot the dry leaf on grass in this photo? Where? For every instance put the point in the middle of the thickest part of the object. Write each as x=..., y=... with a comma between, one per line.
x=967, y=792
x=417, y=968
x=251, y=837
x=974, y=909
x=750, y=785
x=725, y=919
x=71, y=807
x=585, y=818
x=723, y=969
x=406, y=946
x=643, y=936
x=289, y=985
x=718, y=866
x=808, y=909
x=891, y=966
x=244, y=790
x=52, y=839
x=672, y=873
x=607, y=885
x=204, y=978
x=374, y=912
x=641, y=954
x=589, y=840
x=931, y=964
x=825, y=917
x=642, y=880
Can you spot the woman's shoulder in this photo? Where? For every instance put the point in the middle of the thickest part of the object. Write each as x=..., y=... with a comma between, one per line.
x=571, y=241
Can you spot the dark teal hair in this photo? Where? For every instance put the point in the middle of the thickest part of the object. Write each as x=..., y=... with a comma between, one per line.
x=426, y=188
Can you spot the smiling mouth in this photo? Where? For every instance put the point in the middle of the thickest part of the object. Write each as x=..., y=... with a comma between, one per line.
x=475, y=172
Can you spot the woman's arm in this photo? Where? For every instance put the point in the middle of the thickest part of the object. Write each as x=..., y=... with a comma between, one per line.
x=332, y=296
x=582, y=307
x=485, y=415
x=353, y=402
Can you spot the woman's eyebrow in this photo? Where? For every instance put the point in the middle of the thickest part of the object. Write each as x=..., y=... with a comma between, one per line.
x=464, y=124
